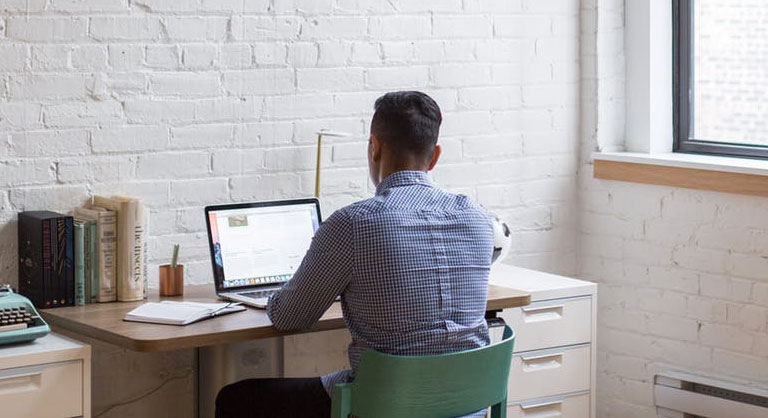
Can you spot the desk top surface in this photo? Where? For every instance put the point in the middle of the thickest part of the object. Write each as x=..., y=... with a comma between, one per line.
x=104, y=321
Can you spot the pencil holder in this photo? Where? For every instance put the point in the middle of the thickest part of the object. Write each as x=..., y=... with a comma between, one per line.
x=171, y=280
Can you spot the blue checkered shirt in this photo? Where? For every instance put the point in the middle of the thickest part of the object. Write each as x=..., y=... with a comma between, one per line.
x=411, y=265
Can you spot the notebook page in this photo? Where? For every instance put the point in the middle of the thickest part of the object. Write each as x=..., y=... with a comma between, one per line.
x=176, y=313
x=201, y=305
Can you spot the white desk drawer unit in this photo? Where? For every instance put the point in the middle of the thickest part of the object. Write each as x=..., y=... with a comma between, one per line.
x=49, y=377
x=44, y=390
x=549, y=372
x=553, y=367
x=551, y=323
x=570, y=405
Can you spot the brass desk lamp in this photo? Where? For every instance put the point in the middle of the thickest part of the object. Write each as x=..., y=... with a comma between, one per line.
x=320, y=134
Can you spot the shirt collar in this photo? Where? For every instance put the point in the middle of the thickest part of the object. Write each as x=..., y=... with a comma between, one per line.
x=403, y=178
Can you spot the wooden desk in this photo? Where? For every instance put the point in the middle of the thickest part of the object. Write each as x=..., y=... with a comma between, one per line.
x=104, y=321
x=220, y=341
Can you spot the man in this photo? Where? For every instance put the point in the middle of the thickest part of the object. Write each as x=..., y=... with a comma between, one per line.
x=411, y=265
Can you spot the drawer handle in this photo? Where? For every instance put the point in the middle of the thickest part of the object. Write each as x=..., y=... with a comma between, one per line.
x=533, y=314
x=20, y=380
x=533, y=309
x=539, y=404
x=534, y=364
x=543, y=356
x=22, y=372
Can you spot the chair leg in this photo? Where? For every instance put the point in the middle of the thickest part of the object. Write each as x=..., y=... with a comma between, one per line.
x=340, y=401
x=499, y=410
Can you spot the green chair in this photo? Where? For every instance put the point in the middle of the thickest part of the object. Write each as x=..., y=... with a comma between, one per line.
x=446, y=385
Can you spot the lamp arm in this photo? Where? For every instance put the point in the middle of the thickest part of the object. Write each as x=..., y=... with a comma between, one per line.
x=317, y=166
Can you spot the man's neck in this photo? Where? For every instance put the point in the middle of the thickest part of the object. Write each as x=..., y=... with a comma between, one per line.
x=390, y=171
x=394, y=164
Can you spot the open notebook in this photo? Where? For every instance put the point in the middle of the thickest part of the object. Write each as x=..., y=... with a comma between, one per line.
x=180, y=313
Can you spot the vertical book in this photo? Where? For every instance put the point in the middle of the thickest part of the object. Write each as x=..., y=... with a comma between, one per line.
x=79, y=263
x=90, y=267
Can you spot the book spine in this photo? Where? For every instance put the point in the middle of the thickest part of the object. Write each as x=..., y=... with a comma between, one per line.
x=93, y=255
x=107, y=256
x=132, y=286
x=30, y=236
x=54, y=278
x=61, y=260
x=122, y=251
x=144, y=249
x=79, y=264
x=87, y=264
x=47, y=264
x=69, y=265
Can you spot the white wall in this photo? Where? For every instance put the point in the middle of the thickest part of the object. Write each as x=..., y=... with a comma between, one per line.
x=683, y=273
x=188, y=103
x=184, y=103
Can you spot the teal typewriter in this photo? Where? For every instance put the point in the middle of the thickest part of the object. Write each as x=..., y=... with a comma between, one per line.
x=19, y=321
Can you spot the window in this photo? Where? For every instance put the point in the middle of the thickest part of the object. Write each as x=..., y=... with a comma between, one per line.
x=720, y=77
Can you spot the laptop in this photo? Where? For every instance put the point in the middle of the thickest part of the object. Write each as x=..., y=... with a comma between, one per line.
x=257, y=247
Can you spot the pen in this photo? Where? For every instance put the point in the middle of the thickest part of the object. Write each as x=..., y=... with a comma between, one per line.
x=228, y=305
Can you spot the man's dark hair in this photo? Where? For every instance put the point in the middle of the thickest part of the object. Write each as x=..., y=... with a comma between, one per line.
x=409, y=121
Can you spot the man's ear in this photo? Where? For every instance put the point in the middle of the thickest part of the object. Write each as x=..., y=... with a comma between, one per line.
x=435, y=157
x=374, y=148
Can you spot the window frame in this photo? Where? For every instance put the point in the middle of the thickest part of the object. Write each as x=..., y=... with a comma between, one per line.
x=682, y=88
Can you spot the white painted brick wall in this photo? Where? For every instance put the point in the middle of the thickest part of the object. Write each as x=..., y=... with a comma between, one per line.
x=185, y=103
x=683, y=273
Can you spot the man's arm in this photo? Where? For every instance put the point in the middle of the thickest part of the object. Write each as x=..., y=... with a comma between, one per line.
x=322, y=275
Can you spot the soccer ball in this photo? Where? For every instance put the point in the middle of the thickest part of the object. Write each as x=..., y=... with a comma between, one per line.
x=502, y=239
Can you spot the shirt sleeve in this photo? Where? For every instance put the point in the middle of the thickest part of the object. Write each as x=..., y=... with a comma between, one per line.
x=323, y=274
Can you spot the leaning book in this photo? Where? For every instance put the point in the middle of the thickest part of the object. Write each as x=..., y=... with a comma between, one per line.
x=106, y=251
x=131, y=245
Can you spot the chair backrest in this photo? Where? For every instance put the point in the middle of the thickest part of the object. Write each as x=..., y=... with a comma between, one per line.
x=445, y=385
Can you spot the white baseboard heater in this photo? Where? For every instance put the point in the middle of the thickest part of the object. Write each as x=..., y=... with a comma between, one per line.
x=686, y=395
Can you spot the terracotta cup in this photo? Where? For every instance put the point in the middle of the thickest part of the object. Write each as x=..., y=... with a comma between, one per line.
x=171, y=280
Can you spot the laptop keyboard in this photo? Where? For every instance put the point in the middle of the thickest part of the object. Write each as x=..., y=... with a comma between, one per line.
x=267, y=293
x=259, y=293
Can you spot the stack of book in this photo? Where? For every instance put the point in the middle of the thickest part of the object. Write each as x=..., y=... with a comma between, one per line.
x=46, y=257
x=96, y=255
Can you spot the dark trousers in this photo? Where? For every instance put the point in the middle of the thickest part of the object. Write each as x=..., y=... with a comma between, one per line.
x=280, y=397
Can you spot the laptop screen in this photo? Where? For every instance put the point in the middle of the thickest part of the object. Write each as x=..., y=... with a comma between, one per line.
x=260, y=245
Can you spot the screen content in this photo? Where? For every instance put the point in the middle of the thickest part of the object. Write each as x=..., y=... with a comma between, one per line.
x=261, y=245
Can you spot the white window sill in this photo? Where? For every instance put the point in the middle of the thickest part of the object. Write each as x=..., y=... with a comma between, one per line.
x=693, y=161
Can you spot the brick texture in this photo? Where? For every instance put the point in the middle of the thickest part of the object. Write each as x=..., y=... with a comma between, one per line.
x=682, y=274
x=193, y=102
